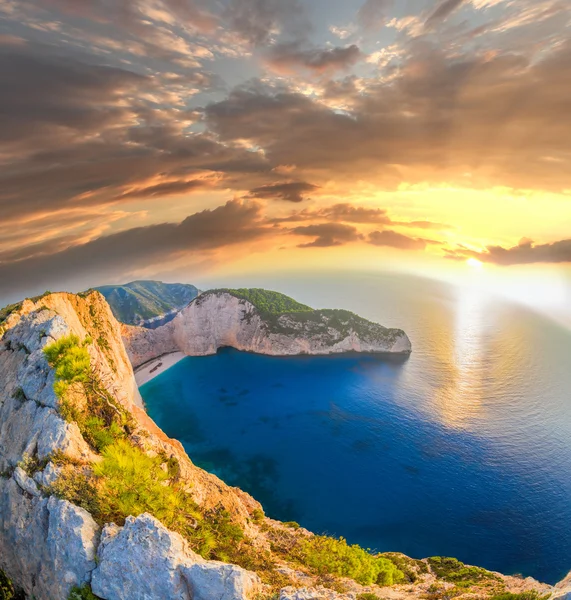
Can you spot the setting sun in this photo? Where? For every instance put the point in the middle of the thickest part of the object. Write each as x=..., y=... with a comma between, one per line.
x=475, y=263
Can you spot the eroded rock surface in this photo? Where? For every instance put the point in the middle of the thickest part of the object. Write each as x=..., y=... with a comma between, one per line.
x=49, y=546
x=214, y=320
x=145, y=561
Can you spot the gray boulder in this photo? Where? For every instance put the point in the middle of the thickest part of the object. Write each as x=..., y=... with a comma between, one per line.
x=142, y=561
x=72, y=542
x=47, y=546
x=145, y=561
x=218, y=581
x=25, y=482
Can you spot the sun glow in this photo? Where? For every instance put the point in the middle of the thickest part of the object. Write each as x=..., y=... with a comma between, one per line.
x=475, y=263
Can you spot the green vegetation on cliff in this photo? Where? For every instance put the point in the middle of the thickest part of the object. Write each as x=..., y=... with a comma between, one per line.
x=284, y=315
x=139, y=301
x=267, y=302
x=126, y=481
x=82, y=593
x=326, y=555
x=454, y=571
x=6, y=311
x=83, y=400
x=7, y=589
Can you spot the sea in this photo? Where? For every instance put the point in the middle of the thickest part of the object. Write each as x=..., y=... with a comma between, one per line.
x=462, y=449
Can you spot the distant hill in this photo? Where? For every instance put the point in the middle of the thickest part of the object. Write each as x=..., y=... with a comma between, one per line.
x=139, y=301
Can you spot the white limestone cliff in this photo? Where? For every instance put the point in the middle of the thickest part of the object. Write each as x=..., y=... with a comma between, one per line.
x=48, y=545
x=218, y=319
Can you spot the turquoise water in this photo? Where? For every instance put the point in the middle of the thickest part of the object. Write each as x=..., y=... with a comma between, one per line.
x=464, y=449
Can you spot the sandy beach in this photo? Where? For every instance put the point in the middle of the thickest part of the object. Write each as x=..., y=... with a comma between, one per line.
x=155, y=367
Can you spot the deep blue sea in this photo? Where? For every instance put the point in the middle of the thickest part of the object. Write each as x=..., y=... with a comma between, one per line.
x=463, y=449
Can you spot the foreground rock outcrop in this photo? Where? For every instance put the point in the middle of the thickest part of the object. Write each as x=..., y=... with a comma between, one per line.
x=145, y=560
x=54, y=540
x=223, y=318
x=48, y=545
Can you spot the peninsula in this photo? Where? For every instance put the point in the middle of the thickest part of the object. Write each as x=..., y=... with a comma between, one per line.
x=261, y=321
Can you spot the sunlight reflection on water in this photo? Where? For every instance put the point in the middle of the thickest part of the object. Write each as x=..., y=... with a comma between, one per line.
x=464, y=449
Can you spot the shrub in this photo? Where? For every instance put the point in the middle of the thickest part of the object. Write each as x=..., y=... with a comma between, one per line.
x=102, y=421
x=367, y=596
x=70, y=360
x=82, y=593
x=78, y=487
x=32, y=464
x=19, y=394
x=99, y=435
x=258, y=516
x=132, y=483
x=529, y=595
x=411, y=567
x=454, y=571
x=326, y=555
x=292, y=524
x=7, y=589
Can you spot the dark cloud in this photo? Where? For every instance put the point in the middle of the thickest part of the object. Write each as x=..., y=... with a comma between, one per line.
x=48, y=101
x=164, y=189
x=526, y=252
x=442, y=12
x=258, y=21
x=350, y=213
x=291, y=192
x=396, y=240
x=73, y=133
x=355, y=214
x=339, y=212
x=471, y=121
x=127, y=13
x=289, y=57
x=327, y=234
x=234, y=223
x=372, y=14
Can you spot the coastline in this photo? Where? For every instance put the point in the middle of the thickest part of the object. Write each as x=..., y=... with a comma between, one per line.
x=149, y=370
x=156, y=366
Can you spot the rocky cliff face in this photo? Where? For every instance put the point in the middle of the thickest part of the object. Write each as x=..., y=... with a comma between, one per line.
x=50, y=545
x=218, y=319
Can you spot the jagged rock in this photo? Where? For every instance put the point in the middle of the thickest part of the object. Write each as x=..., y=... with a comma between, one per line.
x=48, y=476
x=145, y=561
x=25, y=482
x=218, y=319
x=59, y=435
x=20, y=426
x=218, y=581
x=46, y=546
x=562, y=591
x=72, y=541
x=142, y=561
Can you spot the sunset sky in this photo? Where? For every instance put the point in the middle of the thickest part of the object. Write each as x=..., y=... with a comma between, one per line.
x=179, y=139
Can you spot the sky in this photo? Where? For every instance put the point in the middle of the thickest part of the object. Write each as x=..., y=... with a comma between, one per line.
x=180, y=139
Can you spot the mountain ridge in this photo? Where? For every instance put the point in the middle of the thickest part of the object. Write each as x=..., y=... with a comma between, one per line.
x=141, y=301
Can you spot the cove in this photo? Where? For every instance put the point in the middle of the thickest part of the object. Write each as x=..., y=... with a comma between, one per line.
x=461, y=450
